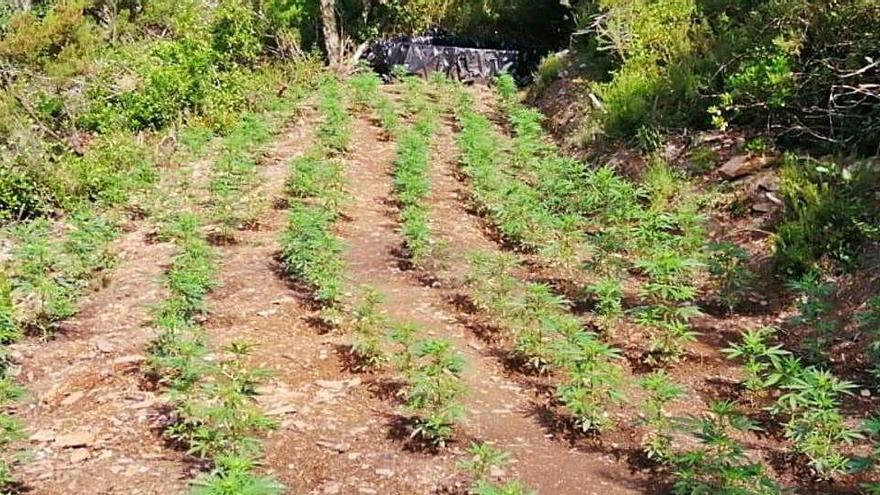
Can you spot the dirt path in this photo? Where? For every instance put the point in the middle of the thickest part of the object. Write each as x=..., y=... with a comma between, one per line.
x=89, y=422
x=497, y=408
x=333, y=434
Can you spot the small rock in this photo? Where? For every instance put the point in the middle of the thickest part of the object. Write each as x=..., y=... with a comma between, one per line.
x=387, y=473
x=43, y=436
x=73, y=398
x=332, y=385
x=865, y=392
x=741, y=165
x=763, y=207
x=332, y=488
x=130, y=359
x=79, y=455
x=103, y=346
x=75, y=439
x=337, y=447
x=267, y=312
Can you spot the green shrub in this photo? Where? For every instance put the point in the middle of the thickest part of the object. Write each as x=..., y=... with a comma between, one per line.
x=828, y=216
x=236, y=32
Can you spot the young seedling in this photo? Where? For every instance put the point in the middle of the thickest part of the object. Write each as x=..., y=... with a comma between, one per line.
x=721, y=465
x=369, y=326
x=760, y=358
x=813, y=306
x=661, y=391
x=434, y=391
x=728, y=265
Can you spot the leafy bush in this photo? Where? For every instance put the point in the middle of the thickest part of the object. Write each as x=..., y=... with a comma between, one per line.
x=829, y=215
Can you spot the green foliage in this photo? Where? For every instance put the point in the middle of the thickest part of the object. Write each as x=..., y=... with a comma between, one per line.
x=219, y=416
x=869, y=320
x=312, y=252
x=761, y=359
x=412, y=184
x=234, y=475
x=9, y=328
x=669, y=294
x=334, y=132
x=369, y=326
x=815, y=423
x=593, y=380
x=608, y=294
x=813, y=306
x=434, y=391
x=720, y=464
x=661, y=391
x=828, y=215
x=236, y=32
x=728, y=265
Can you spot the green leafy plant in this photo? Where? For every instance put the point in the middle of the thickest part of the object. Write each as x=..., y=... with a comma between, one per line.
x=811, y=401
x=369, y=326
x=721, y=465
x=813, y=306
x=869, y=320
x=669, y=294
x=434, y=391
x=661, y=391
x=334, y=132
x=609, y=300
x=593, y=380
x=728, y=265
x=761, y=360
x=234, y=475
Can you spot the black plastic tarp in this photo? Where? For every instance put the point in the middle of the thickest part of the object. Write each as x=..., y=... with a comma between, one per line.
x=425, y=55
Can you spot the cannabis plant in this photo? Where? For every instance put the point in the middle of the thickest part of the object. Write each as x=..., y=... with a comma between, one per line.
x=9, y=328
x=608, y=294
x=593, y=380
x=234, y=474
x=728, y=265
x=434, y=391
x=813, y=306
x=369, y=325
x=720, y=464
x=661, y=391
x=811, y=401
x=760, y=359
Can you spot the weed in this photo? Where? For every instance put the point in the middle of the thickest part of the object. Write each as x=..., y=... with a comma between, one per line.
x=593, y=380
x=9, y=328
x=320, y=179
x=728, y=265
x=669, y=293
x=661, y=391
x=761, y=359
x=311, y=251
x=412, y=185
x=721, y=465
x=815, y=424
x=434, y=391
x=609, y=301
x=869, y=320
x=219, y=415
x=369, y=326
x=233, y=474
x=813, y=305
x=334, y=132
x=483, y=457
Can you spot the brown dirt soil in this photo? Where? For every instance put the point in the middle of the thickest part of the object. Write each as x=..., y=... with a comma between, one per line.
x=90, y=423
x=499, y=410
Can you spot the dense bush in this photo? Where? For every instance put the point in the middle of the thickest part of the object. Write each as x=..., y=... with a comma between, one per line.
x=80, y=79
x=799, y=68
x=829, y=215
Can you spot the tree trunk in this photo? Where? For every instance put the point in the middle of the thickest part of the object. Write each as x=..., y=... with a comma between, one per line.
x=332, y=38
